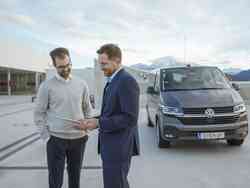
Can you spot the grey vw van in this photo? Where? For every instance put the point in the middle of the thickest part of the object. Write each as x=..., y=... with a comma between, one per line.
x=195, y=103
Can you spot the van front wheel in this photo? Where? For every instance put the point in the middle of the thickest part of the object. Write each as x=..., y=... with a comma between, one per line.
x=235, y=142
x=160, y=142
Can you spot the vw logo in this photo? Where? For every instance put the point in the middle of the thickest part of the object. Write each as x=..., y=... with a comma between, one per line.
x=209, y=113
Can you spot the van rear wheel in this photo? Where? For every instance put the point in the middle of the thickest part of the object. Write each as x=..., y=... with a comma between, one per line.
x=235, y=142
x=160, y=142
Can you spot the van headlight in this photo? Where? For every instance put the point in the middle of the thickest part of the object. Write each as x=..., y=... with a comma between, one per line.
x=171, y=110
x=240, y=108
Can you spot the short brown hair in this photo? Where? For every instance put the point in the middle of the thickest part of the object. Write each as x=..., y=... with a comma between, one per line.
x=112, y=51
x=60, y=53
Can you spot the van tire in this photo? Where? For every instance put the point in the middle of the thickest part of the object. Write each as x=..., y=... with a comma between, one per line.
x=160, y=142
x=235, y=142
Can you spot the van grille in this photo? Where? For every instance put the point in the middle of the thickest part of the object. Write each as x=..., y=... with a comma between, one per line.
x=217, y=110
x=208, y=121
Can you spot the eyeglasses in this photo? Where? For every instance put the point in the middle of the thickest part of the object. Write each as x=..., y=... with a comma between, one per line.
x=64, y=66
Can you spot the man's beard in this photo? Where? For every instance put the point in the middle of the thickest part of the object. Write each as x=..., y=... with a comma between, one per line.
x=65, y=73
x=108, y=70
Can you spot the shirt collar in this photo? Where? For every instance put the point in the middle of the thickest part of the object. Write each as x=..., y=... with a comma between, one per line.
x=62, y=79
x=110, y=78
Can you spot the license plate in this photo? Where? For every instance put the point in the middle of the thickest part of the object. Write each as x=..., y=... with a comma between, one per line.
x=211, y=135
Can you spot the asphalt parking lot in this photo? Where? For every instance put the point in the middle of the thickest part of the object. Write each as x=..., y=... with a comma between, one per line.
x=211, y=164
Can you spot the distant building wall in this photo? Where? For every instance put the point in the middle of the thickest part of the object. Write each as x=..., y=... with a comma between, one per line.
x=86, y=74
x=99, y=85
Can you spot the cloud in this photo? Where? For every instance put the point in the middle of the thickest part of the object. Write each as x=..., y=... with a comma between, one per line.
x=214, y=30
x=18, y=19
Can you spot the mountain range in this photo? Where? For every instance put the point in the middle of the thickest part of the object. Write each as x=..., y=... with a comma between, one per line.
x=242, y=76
x=169, y=61
x=232, y=71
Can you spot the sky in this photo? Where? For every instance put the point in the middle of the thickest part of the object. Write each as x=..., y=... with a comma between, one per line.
x=209, y=32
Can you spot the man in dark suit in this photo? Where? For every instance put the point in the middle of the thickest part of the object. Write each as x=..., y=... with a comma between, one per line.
x=118, y=131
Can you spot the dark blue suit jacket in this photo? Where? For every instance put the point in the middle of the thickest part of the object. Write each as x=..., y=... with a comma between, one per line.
x=118, y=131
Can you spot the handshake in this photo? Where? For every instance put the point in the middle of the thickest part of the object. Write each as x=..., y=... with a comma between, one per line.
x=87, y=124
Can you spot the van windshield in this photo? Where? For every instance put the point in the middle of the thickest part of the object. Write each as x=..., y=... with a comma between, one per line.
x=192, y=78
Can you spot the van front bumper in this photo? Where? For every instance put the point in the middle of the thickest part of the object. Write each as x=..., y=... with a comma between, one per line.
x=173, y=129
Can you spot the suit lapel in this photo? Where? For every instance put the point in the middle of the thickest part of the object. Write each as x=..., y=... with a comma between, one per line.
x=104, y=97
x=108, y=89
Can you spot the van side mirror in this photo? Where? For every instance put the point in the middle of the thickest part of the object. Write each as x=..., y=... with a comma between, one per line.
x=236, y=86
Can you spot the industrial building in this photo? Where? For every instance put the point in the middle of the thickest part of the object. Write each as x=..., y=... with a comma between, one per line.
x=22, y=70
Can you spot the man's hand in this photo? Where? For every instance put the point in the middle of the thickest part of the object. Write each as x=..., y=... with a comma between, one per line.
x=82, y=125
x=91, y=123
x=88, y=124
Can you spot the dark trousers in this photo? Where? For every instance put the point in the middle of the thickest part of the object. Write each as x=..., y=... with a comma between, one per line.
x=58, y=150
x=116, y=175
